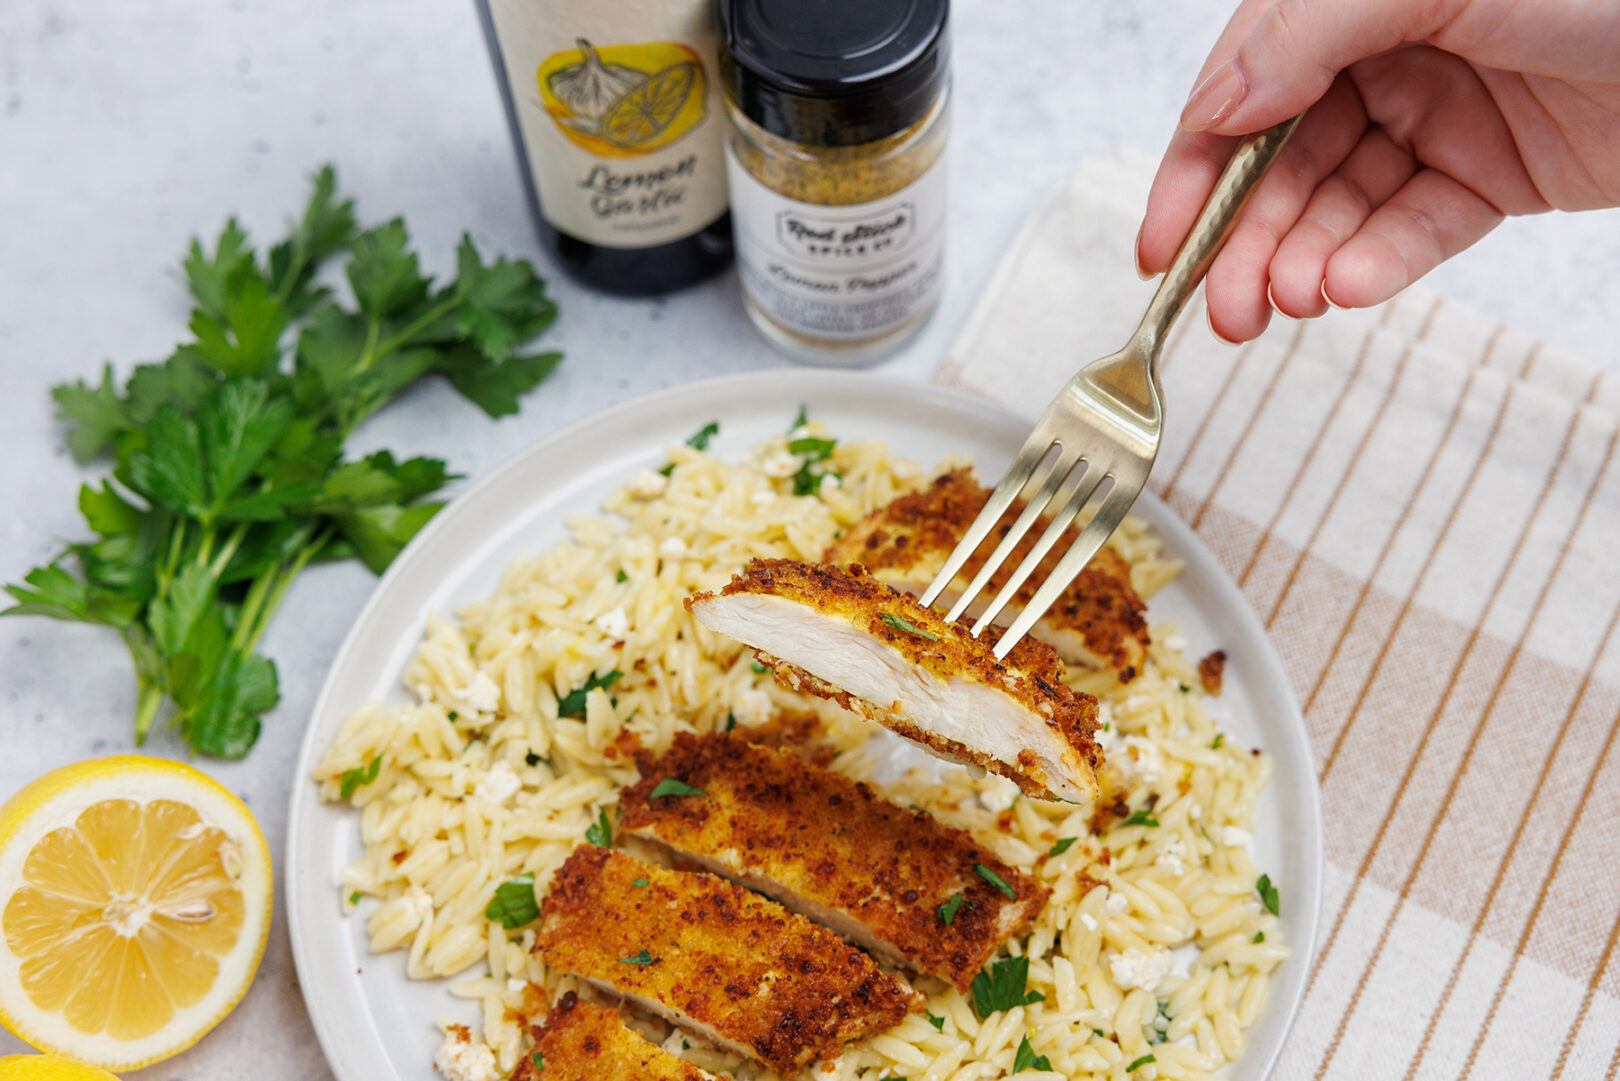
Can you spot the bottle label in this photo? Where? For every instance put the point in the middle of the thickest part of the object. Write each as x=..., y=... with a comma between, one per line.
x=840, y=273
x=620, y=113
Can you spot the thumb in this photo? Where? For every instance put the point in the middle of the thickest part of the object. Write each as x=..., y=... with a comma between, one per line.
x=1294, y=52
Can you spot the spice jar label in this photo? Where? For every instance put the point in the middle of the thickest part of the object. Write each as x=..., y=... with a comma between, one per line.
x=621, y=130
x=841, y=273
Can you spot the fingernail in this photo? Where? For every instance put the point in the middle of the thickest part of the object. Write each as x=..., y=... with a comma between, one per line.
x=1214, y=99
x=1222, y=338
x=1271, y=298
x=1330, y=301
x=1141, y=271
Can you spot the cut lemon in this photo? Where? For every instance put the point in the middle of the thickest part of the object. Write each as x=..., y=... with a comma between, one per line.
x=135, y=898
x=48, y=1068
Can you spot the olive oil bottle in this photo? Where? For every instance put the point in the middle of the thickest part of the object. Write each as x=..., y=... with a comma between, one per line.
x=616, y=116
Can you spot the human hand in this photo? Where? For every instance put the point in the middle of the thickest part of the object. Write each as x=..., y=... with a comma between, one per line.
x=1430, y=120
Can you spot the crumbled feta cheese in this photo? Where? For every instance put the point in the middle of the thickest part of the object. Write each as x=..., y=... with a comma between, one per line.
x=1117, y=903
x=829, y=480
x=1107, y=737
x=672, y=548
x=1139, y=759
x=762, y=497
x=998, y=794
x=1235, y=837
x=753, y=706
x=1140, y=968
x=614, y=624
x=498, y=785
x=801, y=431
x=417, y=903
x=1175, y=642
x=515, y=985
x=481, y=694
x=1172, y=856
x=460, y=1058
x=1195, y=811
x=1089, y=920
x=780, y=464
x=648, y=484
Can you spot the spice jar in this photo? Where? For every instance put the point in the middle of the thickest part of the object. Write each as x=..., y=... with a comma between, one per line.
x=836, y=133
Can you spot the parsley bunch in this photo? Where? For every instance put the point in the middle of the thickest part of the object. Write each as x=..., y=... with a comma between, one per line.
x=228, y=473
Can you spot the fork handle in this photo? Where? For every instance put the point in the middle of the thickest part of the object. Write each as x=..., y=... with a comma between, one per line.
x=1237, y=182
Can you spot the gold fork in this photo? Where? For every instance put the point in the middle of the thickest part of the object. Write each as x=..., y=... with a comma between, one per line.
x=1103, y=427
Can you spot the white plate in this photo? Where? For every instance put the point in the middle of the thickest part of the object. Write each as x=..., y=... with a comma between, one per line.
x=374, y=1024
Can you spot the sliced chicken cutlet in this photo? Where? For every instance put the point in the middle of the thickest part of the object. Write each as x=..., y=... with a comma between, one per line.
x=830, y=848
x=737, y=968
x=1098, y=621
x=582, y=1041
x=839, y=633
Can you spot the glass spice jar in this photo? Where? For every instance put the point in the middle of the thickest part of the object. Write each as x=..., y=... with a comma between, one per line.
x=837, y=122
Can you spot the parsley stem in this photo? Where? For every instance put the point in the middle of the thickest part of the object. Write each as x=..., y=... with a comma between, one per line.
x=232, y=542
x=282, y=576
x=427, y=318
x=149, y=697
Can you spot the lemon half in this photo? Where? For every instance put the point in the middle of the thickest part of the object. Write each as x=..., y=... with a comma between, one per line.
x=48, y=1068
x=135, y=900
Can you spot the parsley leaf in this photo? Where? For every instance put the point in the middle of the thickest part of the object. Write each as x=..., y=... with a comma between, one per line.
x=640, y=884
x=572, y=704
x=533, y=759
x=1268, y=894
x=1026, y=1059
x=670, y=786
x=948, y=910
x=1142, y=816
x=539, y=1060
x=699, y=440
x=228, y=475
x=1215, y=744
x=1060, y=846
x=757, y=668
x=513, y=905
x=621, y=576
x=354, y=898
x=640, y=957
x=1139, y=1063
x=600, y=832
x=1001, y=986
x=812, y=448
x=800, y=419
x=937, y=1021
x=359, y=775
x=910, y=628
x=995, y=880
x=1259, y=936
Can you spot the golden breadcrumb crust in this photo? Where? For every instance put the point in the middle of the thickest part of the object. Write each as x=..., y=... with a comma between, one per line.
x=581, y=1041
x=732, y=963
x=909, y=539
x=816, y=835
x=1032, y=674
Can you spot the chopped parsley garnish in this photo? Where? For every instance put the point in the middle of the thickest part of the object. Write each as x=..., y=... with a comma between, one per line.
x=910, y=628
x=759, y=669
x=1060, y=846
x=359, y=775
x=817, y=450
x=601, y=832
x=1184, y=688
x=995, y=880
x=937, y=1021
x=513, y=905
x=1099, y=1032
x=731, y=720
x=1268, y=893
x=640, y=884
x=534, y=760
x=799, y=420
x=1027, y=1059
x=539, y=1060
x=1141, y=817
x=813, y=453
x=572, y=704
x=640, y=957
x=699, y=440
x=354, y=898
x=453, y=716
x=621, y=576
x=948, y=910
x=1259, y=936
x=1001, y=986
x=1159, y=1027
x=1215, y=744
x=1139, y=1063
x=671, y=786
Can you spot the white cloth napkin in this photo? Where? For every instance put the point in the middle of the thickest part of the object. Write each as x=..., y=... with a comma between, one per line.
x=1423, y=507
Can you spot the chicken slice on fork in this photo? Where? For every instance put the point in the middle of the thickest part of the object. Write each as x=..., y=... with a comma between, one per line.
x=1098, y=621
x=839, y=633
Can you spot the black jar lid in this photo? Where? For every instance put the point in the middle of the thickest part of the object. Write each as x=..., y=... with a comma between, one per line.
x=834, y=72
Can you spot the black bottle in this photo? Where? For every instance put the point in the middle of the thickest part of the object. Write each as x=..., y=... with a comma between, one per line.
x=616, y=116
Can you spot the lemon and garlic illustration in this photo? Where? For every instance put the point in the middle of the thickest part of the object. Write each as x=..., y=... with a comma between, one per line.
x=623, y=100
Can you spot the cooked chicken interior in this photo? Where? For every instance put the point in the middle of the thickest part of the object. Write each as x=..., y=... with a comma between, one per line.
x=1098, y=621
x=830, y=848
x=841, y=634
x=582, y=1041
x=737, y=968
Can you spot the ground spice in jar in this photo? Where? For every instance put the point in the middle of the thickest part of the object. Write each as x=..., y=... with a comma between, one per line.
x=837, y=127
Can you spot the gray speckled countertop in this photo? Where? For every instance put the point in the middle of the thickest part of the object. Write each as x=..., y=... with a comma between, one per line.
x=125, y=128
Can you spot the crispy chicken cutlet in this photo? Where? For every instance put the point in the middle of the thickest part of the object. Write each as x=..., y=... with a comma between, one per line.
x=841, y=634
x=739, y=969
x=1098, y=621
x=830, y=848
x=582, y=1041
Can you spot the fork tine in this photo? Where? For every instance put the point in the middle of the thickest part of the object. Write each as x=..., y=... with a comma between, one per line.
x=1112, y=511
x=1069, y=501
x=1017, y=475
x=1062, y=465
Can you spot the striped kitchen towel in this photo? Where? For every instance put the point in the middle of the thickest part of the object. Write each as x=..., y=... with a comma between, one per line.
x=1423, y=507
